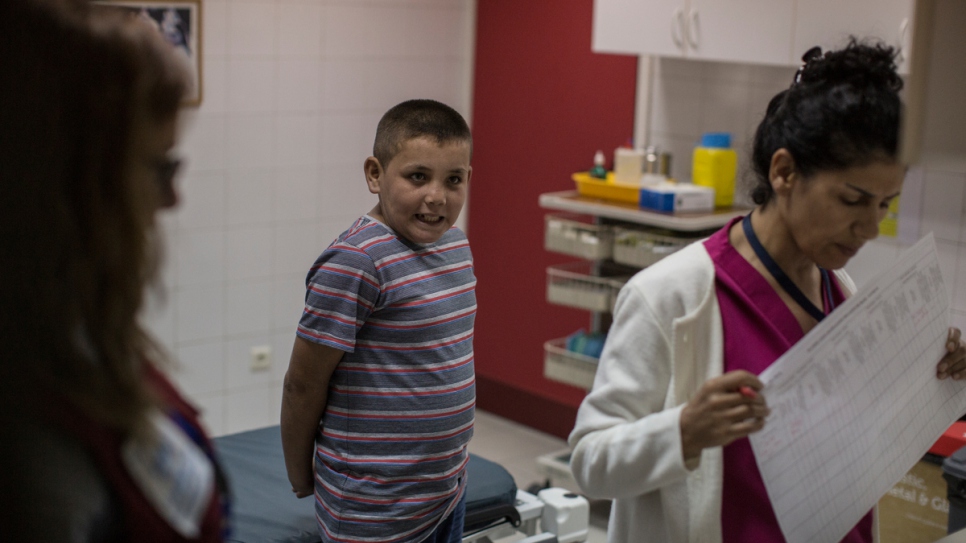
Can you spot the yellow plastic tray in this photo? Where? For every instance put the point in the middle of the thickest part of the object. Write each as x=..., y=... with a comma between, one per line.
x=607, y=189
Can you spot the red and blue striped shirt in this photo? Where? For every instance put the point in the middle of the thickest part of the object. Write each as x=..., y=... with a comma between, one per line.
x=391, y=449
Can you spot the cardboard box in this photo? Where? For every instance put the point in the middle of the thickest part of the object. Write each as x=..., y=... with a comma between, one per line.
x=671, y=197
x=915, y=510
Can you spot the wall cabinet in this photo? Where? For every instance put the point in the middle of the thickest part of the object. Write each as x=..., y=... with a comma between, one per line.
x=829, y=23
x=635, y=27
x=748, y=31
x=754, y=31
x=700, y=29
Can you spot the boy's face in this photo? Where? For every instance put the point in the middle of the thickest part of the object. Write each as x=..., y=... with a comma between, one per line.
x=422, y=189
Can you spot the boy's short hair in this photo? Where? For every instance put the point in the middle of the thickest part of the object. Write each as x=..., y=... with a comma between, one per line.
x=418, y=118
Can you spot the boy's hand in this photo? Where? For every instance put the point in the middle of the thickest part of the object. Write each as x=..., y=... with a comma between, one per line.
x=304, y=397
x=305, y=491
x=953, y=364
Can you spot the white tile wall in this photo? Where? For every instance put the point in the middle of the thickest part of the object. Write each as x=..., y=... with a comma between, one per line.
x=202, y=367
x=300, y=30
x=200, y=257
x=250, y=196
x=216, y=84
x=297, y=137
x=692, y=97
x=249, y=407
x=299, y=85
x=943, y=205
x=293, y=90
x=297, y=193
x=206, y=204
x=215, y=28
x=249, y=253
x=199, y=313
x=252, y=28
x=251, y=141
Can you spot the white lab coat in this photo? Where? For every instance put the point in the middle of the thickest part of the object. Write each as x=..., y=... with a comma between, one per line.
x=665, y=342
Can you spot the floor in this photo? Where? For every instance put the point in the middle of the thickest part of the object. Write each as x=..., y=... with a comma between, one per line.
x=516, y=447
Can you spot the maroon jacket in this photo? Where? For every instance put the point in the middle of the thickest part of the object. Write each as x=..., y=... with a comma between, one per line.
x=142, y=522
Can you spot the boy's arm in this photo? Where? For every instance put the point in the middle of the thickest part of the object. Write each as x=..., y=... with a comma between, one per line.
x=304, y=396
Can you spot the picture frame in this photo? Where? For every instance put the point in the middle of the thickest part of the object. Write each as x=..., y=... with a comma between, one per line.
x=179, y=22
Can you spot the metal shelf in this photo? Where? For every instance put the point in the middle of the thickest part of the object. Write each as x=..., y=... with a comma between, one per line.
x=578, y=235
x=572, y=368
x=584, y=285
x=568, y=367
x=683, y=222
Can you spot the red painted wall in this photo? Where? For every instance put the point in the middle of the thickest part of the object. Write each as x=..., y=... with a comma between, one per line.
x=543, y=104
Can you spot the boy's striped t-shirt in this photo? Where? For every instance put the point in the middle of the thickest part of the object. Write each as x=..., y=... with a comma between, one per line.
x=391, y=449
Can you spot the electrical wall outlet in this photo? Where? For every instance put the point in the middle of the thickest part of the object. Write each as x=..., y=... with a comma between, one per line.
x=261, y=358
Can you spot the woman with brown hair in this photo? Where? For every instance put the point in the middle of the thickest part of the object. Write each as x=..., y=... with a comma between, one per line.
x=100, y=446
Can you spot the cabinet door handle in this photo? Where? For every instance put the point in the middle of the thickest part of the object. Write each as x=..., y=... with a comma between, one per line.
x=901, y=46
x=677, y=28
x=693, y=29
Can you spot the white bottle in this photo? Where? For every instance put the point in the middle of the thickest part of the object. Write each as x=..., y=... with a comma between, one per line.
x=628, y=165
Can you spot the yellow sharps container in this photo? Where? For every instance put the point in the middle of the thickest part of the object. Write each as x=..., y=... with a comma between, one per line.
x=715, y=165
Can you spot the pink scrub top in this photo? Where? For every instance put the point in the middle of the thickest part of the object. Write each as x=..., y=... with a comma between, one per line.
x=758, y=329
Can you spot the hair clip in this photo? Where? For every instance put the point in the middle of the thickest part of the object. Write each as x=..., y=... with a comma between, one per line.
x=810, y=55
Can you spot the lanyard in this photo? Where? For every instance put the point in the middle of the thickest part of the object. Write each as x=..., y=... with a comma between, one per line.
x=783, y=280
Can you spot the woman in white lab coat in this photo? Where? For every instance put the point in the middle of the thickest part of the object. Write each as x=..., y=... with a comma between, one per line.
x=664, y=430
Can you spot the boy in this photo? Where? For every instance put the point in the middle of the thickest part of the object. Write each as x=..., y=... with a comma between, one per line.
x=380, y=389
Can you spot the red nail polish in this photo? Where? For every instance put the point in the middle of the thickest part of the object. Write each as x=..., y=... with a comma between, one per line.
x=747, y=392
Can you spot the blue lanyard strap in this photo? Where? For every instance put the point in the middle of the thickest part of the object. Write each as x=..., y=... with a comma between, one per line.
x=783, y=280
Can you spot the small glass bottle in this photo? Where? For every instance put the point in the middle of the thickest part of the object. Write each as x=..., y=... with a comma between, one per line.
x=599, y=171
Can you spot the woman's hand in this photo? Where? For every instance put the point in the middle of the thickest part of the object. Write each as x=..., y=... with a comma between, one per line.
x=953, y=364
x=722, y=411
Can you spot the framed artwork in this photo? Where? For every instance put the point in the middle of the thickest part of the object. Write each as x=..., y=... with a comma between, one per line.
x=179, y=21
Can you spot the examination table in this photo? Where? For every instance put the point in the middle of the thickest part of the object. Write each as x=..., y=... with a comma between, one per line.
x=264, y=510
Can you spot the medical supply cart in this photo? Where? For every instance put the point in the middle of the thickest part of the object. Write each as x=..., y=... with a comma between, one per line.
x=613, y=240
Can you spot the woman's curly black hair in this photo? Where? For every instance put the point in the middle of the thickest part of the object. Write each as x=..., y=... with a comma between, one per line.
x=841, y=111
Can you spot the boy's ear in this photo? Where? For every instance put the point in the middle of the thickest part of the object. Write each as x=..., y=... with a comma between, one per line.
x=374, y=173
x=782, y=172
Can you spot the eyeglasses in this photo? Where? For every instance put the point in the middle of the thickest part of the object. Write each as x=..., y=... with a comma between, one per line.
x=165, y=170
